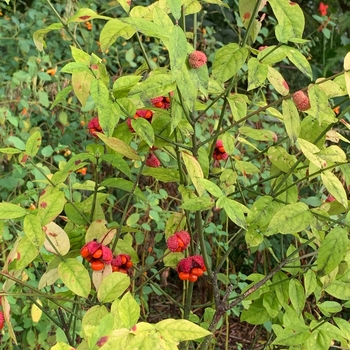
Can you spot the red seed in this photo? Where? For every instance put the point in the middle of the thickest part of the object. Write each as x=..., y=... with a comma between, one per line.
x=97, y=265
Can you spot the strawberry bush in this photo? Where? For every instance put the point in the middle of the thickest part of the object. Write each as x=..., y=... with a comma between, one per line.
x=193, y=155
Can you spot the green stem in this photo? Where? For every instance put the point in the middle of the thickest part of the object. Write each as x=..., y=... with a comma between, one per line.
x=149, y=64
x=126, y=209
x=94, y=199
x=262, y=109
x=65, y=26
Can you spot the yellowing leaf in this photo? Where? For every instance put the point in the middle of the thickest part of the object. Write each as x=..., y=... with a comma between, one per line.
x=194, y=171
x=11, y=211
x=332, y=251
x=113, y=286
x=335, y=187
x=290, y=19
x=277, y=81
x=75, y=276
x=291, y=119
x=57, y=240
x=36, y=312
x=291, y=218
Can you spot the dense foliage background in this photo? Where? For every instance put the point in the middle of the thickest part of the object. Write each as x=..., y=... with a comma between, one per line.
x=271, y=220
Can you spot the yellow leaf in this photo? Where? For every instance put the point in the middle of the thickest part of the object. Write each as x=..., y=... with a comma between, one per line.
x=36, y=312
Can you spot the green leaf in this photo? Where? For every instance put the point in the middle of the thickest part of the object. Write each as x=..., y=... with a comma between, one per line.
x=119, y=146
x=85, y=14
x=33, y=144
x=155, y=85
x=299, y=60
x=335, y=187
x=50, y=206
x=290, y=19
x=211, y=187
x=310, y=282
x=346, y=65
x=271, y=304
x=124, y=185
x=198, y=204
x=291, y=119
x=332, y=250
x=112, y=287
x=258, y=134
x=161, y=18
x=108, y=111
x=194, y=171
x=180, y=330
x=262, y=211
x=296, y=295
x=26, y=252
x=147, y=27
x=177, y=47
x=128, y=310
x=187, y=87
x=122, y=85
x=246, y=168
x=277, y=81
x=246, y=8
x=292, y=218
x=10, y=150
x=228, y=61
x=339, y=290
x=112, y=30
x=320, y=107
x=330, y=87
x=344, y=327
x=81, y=82
x=93, y=317
x=310, y=152
x=162, y=174
x=333, y=154
x=33, y=230
x=39, y=35
x=57, y=240
x=75, y=67
x=143, y=129
x=256, y=314
x=75, y=276
x=61, y=346
x=101, y=332
x=329, y=307
x=281, y=287
x=257, y=73
x=271, y=55
x=61, y=96
x=80, y=56
x=233, y=210
x=11, y=211
x=292, y=335
x=238, y=105
x=118, y=163
x=228, y=142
